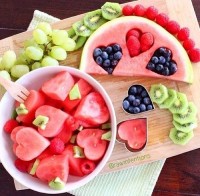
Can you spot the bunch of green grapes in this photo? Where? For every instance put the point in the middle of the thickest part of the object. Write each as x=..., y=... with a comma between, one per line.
x=46, y=48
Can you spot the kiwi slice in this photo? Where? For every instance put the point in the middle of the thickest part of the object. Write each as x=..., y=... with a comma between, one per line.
x=21, y=110
x=94, y=19
x=111, y=10
x=170, y=100
x=188, y=116
x=81, y=30
x=41, y=121
x=185, y=127
x=180, y=104
x=158, y=93
x=179, y=137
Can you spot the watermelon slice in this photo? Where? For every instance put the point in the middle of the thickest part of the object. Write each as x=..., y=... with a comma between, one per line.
x=115, y=32
x=84, y=89
x=59, y=86
x=56, y=120
x=14, y=132
x=51, y=167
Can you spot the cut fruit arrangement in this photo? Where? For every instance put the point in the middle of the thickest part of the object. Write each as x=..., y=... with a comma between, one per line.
x=51, y=140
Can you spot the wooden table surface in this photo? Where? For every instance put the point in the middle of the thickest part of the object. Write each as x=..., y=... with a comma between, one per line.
x=180, y=174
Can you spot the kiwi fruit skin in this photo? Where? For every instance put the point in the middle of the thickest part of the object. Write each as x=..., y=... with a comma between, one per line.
x=172, y=96
x=179, y=137
x=185, y=127
x=158, y=93
x=94, y=19
x=111, y=10
x=180, y=105
x=81, y=30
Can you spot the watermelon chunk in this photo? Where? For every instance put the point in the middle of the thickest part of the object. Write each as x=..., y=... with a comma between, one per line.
x=56, y=120
x=51, y=167
x=59, y=86
x=136, y=66
x=84, y=89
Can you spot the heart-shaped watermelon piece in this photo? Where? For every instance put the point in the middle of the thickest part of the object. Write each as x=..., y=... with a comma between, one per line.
x=29, y=144
x=133, y=133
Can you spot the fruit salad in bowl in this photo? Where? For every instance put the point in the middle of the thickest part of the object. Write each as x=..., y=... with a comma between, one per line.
x=63, y=134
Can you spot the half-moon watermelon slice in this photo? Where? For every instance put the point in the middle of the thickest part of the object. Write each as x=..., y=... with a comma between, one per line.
x=115, y=32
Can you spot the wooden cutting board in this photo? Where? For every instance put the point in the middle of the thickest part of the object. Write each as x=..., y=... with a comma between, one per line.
x=159, y=145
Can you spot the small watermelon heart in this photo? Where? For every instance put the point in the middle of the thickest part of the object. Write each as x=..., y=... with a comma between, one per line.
x=29, y=144
x=133, y=133
x=138, y=100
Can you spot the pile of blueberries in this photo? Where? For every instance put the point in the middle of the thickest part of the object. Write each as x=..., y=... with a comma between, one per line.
x=138, y=100
x=161, y=62
x=108, y=57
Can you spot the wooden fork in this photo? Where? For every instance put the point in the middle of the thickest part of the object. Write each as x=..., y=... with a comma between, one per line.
x=17, y=91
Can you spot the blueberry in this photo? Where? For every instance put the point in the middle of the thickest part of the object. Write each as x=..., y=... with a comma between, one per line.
x=136, y=102
x=167, y=53
x=162, y=60
x=102, y=49
x=168, y=59
x=142, y=107
x=151, y=66
x=116, y=47
x=167, y=64
x=106, y=63
x=144, y=93
x=162, y=50
x=146, y=101
x=136, y=110
x=104, y=55
x=165, y=71
x=99, y=60
x=114, y=62
x=111, y=57
x=173, y=67
x=154, y=59
x=97, y=52
x=126, y=104
x=132, y=90
x=159, y=68
x=118, y=55
x=138, y=97
x=131, y=98
x=139, y=89
x=109, y=70
x=109, y=49
x=149, y=107
x=131, y=109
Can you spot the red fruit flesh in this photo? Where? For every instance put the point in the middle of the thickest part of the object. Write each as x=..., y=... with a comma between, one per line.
x=133, y=45
x=59, y=86
x=133, y=133
x=188, y=44
x=10, y=125
x=173, y=27
x=151, y=13
x=183, y=34
x=194, y=55
x=56, y=146
x=22, y=165
x=133, y=32
x=139, y=10
x=14, y=132
x=127, y=10
x=87, y=167
x=90, y=140
x=162, y=19
x=146, y=41
x=46, y=153
x=92, y=109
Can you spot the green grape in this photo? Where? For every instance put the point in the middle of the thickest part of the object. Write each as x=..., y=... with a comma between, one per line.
x=5, y=75
x=19, y=70
x=36, y=65
x=45, y=27
x=1, y=66
x=39, y=36
x=58, y=36
x=8, y=59
x=22, y=59
x=34, y=53
x=58, y=53
x=49, y=61
x=30, y=42
x=69, y=44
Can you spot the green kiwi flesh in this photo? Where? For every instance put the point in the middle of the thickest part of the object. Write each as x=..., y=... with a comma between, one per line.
x=179, y=137
x=111, y=10
x=185, y=127
x=170, y=100
x=81, y=30
x=158, y=93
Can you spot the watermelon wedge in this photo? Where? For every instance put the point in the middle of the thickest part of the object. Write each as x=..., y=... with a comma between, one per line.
x=115, y=32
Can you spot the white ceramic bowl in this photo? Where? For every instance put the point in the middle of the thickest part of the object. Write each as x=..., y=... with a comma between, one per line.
x=34, y=80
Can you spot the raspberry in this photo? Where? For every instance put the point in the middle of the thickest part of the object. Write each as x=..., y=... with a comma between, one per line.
x=133, y=32
x=139, y=10
x=183, y=34
x=162, y=19
x=151, y=13
x=133, y=46
x=57, y=146
x=87, y=167
x=10, y=125
x=127, y=10
x=22, y=165
x=188, y=44
x=194, y=55
x=173, y=27
x=146, y=39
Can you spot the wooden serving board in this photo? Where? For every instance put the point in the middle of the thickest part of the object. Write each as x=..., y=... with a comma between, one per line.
x=159, y=145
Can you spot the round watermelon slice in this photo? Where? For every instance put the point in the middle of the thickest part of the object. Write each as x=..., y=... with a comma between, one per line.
x=116, y=30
